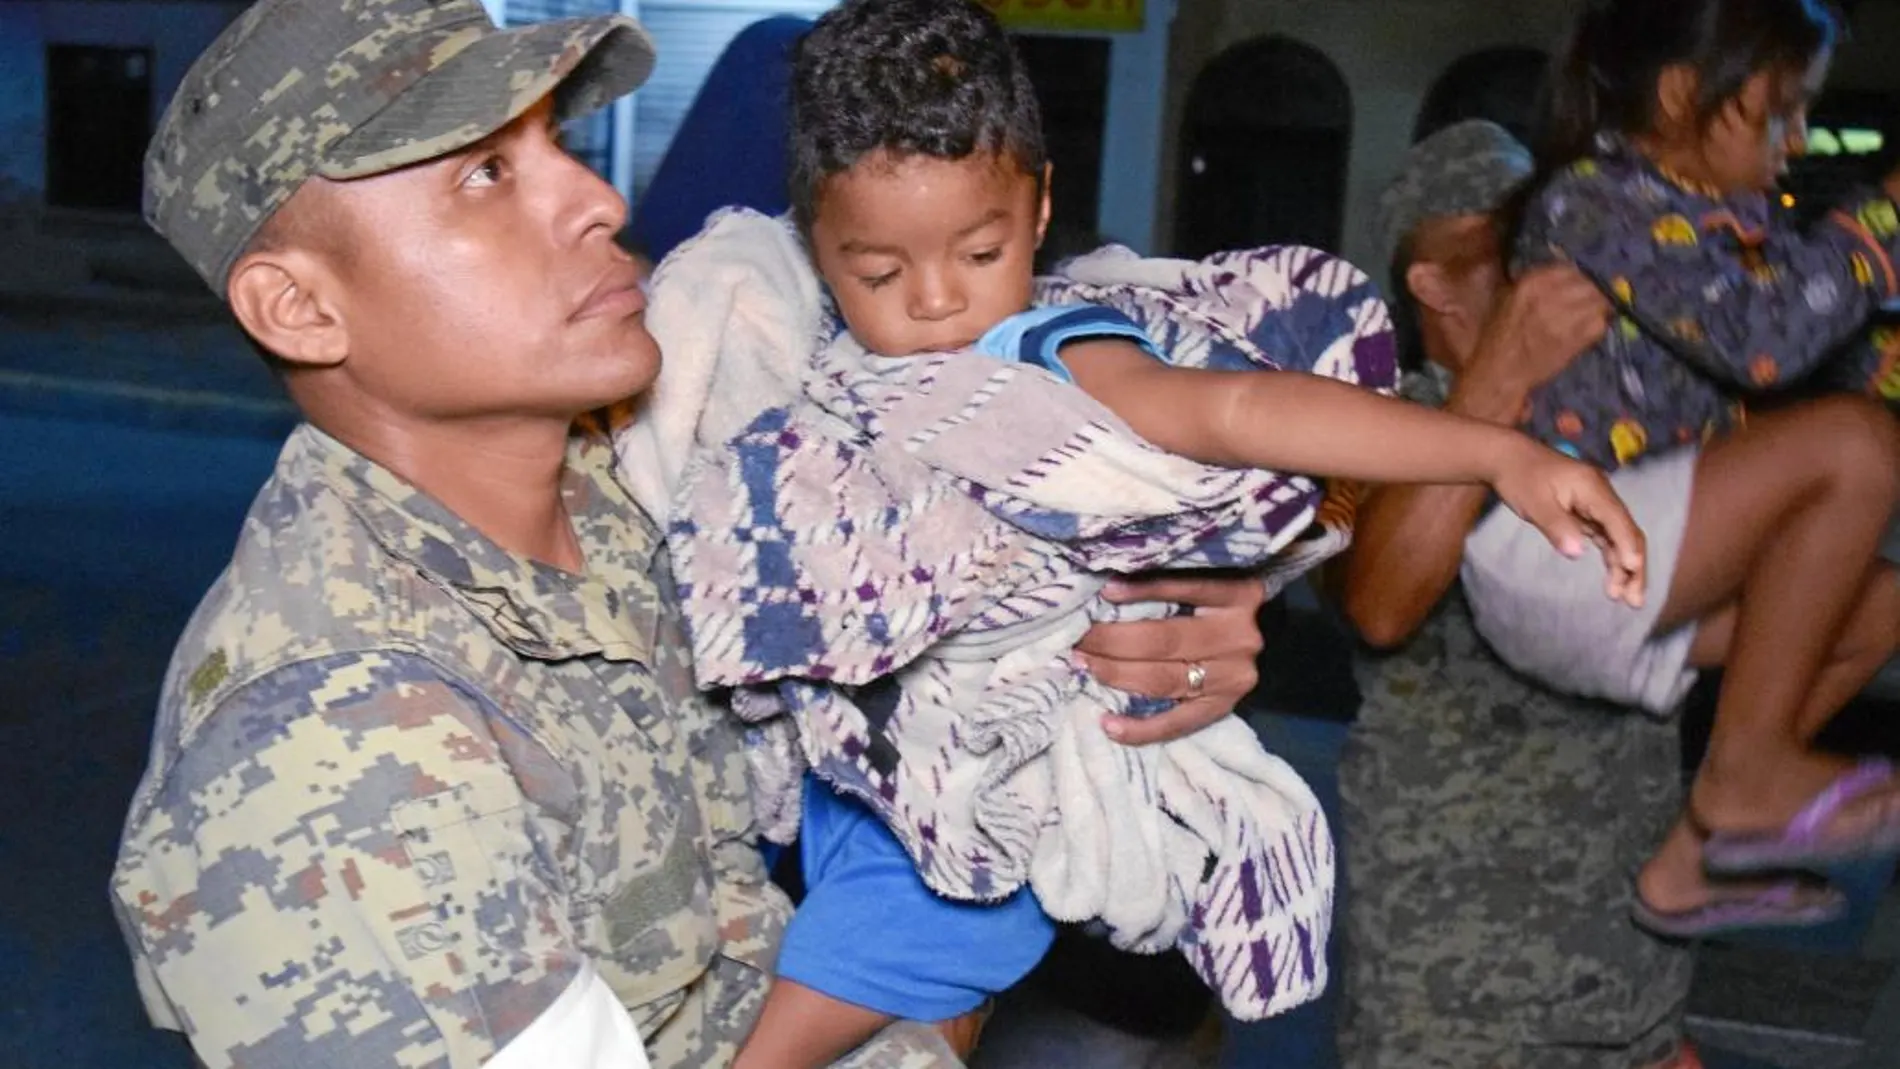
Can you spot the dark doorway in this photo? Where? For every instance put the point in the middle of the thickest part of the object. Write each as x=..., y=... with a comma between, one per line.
x=1264, y=150
x=1504, y=85
x=1071, y=79
x=98, y=119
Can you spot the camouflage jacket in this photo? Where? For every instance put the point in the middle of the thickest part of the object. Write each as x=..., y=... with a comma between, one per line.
x=404, y=784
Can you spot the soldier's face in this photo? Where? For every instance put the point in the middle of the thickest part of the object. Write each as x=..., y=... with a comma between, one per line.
x=488, y=283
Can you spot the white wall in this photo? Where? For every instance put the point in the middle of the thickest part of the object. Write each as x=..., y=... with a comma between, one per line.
x=175, y=32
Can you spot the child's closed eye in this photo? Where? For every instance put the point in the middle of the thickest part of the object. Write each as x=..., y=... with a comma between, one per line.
x=877, y=282
x=986, y=256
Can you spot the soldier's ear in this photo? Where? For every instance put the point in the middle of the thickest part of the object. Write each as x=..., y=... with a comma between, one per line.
x=282, y=298
x=1430, y=286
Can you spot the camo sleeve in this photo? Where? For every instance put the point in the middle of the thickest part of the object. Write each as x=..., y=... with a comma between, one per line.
x=346, y=872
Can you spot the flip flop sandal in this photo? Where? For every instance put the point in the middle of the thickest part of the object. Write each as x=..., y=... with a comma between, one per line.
x=1804, y=843
x=1790, y=903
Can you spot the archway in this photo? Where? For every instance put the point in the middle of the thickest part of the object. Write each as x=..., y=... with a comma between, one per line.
x=1264, y=150
x=1504, y=85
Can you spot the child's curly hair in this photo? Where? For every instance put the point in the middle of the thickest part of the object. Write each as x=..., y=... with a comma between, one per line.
x=938, y=78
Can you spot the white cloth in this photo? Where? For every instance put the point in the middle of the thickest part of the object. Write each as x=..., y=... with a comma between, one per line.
x=585, y=1028
x=737, y=304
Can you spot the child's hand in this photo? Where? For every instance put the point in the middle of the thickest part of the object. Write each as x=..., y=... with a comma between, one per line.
x=1572, y=503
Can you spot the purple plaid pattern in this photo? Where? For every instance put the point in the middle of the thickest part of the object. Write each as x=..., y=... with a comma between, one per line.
x=902, y=560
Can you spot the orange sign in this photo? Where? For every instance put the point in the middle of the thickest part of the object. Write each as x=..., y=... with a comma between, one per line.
x=1101, y=16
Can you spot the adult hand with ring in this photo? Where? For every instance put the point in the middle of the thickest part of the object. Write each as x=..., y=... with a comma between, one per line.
x=1220, y=638
x=1196, y=678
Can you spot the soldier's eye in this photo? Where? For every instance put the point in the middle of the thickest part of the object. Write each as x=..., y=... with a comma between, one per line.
x=486, y=173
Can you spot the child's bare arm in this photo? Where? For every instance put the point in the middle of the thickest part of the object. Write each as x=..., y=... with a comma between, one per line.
x=1304, y=423
x=1289, y=421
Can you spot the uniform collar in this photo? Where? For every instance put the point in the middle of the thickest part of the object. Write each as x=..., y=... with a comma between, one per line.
x=536, y=609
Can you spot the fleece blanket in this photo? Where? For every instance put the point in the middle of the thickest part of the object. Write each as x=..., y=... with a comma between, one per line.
x=890, y=560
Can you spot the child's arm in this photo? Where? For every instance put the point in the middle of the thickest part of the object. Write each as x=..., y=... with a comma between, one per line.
x=1408, y=541
x=1758, y=319
x=1293, y=422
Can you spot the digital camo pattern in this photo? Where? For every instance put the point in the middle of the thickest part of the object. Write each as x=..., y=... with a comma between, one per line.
x=347, y=88
x=910, y=552
x=1491, y=831
x=1468, y=168
x=403, y=783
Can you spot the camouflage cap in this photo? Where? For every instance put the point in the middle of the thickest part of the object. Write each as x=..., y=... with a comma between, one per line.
x=350, y=88
x=1465, y=169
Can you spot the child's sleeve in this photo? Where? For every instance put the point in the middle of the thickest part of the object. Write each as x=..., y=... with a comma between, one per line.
x=1757, y=310
x=1038, y=335
x=870, y=932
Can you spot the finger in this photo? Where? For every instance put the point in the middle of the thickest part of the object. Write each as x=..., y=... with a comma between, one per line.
x=1201, y=637
x=1564, y=274
x=1229, y=676
x=1564, y=531
x=1200, y=589
x=1624, y=554
x=1621, y=582
x=1580, y=331
x=1615, y=526
x=1624, y=586
x=1557, y=284
x=1177, y=723
x=1587, y=308
x=1636, y=587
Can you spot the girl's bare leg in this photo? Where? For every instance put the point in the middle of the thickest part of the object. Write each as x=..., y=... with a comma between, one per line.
x=1776, y=569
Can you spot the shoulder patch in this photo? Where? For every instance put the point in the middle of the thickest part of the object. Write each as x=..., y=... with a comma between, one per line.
x=211, y=671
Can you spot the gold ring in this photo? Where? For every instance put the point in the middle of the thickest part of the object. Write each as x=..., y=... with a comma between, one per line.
x=1196, y=679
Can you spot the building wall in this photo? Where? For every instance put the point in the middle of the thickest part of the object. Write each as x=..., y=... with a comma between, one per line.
x=691, y=33
x=175, y=31
x=1390, y=52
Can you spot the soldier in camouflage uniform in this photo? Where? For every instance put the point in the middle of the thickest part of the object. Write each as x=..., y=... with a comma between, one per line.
x=410, y=781
x=1491, y=828
x=430, y=770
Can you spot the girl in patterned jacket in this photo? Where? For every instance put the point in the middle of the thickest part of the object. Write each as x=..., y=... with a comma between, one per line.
x=1671, y=125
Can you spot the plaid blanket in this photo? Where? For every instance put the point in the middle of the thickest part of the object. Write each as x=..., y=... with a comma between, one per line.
x=893, y=566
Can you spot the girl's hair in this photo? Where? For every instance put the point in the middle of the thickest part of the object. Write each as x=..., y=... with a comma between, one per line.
x=1605, y=81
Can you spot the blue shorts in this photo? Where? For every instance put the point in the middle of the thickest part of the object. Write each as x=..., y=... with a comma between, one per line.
x=871, y=933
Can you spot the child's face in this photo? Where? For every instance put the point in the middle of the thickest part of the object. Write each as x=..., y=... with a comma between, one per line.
x=926, y=255
x=1748, y=146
